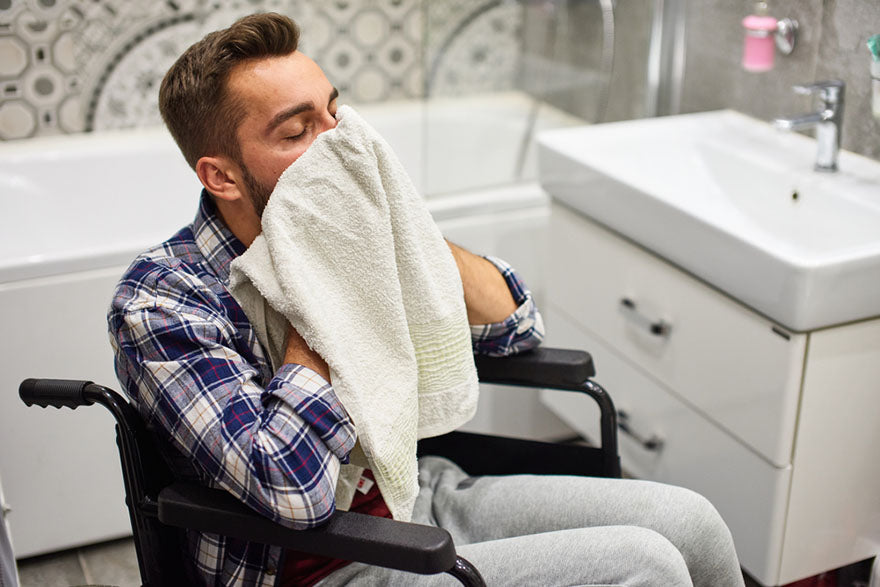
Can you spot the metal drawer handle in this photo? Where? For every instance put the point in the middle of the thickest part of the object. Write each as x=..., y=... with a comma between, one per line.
x=657, y=327
x=652, y=442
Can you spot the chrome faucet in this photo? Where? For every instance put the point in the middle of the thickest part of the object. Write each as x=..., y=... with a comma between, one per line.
x=828, y=121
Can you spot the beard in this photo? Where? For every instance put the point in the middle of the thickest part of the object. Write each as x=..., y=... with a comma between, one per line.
x=257, y=192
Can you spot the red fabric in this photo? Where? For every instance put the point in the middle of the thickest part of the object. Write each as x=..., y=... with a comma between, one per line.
x=828, y=579
x=303, y=569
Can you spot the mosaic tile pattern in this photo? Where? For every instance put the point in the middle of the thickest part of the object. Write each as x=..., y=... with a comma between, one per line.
x=69, y=66
x=473, y=46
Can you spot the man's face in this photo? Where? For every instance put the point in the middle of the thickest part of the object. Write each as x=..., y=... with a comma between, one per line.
x=288, y=102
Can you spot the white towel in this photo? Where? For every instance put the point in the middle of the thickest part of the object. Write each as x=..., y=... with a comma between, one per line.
x=350, y=256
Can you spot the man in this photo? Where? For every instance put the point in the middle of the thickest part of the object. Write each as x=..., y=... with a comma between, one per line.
x=243, y=104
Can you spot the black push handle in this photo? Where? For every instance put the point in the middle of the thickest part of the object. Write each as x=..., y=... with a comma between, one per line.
x=54, y=392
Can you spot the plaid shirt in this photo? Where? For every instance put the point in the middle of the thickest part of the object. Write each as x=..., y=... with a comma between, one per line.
x=190, y=360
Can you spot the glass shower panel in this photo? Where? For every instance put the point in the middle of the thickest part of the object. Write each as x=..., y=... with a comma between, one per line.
x=461, y=86
x=499, y=71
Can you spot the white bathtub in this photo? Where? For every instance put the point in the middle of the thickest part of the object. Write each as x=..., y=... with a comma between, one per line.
x=87, y=201
x=78, y=209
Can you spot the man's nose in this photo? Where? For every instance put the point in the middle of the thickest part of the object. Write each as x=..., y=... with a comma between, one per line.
x=328, y=121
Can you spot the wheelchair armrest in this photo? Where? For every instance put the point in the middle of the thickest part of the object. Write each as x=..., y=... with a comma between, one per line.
x=562, y=369
x=347, y=535
x=541, y=367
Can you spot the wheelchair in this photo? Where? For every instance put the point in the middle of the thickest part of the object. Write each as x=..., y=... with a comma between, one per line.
x=160, y=506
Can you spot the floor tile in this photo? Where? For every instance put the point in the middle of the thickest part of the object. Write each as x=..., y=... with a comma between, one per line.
x=51, y=570
x=111, y=563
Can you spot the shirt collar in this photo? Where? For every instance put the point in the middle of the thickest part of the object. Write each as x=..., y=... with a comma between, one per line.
x=215, y=241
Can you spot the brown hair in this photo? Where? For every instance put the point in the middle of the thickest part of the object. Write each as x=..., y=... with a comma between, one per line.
x=193, y=99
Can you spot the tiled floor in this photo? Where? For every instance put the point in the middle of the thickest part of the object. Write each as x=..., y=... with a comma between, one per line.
x=109, y=563
x=115, y=563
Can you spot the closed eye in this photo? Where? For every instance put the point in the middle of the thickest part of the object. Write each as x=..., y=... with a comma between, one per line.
x=296, y=137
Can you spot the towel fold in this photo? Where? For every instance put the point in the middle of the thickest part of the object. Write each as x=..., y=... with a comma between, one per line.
x=350, y=256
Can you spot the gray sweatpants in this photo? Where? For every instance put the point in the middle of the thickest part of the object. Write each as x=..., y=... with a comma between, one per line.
x=555, y=530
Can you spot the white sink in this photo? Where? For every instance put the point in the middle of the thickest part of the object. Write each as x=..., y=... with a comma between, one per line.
x=734, y=202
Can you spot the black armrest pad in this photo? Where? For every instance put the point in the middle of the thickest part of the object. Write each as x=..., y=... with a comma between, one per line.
x=542, y=367
x=347, y=535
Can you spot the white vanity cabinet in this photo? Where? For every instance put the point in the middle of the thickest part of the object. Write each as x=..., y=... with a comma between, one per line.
x=776, y=428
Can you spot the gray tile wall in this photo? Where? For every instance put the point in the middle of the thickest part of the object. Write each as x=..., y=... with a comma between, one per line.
x=831, y=44
x=562, y=63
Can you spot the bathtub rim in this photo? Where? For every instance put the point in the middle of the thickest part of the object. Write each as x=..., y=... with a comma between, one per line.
x=24, y=264
x=492, y=201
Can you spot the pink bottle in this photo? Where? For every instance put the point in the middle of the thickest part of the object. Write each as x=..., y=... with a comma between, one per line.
x=758, y=51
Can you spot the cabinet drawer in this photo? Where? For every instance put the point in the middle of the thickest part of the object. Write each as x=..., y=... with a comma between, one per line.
x=727, y=362
x=693, y=452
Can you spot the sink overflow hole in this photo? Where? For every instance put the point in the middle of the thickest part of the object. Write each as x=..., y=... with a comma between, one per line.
x=795, y=196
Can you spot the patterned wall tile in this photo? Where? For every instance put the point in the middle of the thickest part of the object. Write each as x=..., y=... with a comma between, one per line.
x=72, y=79
x=79, y=65
x=373, y=49
x=473, y=46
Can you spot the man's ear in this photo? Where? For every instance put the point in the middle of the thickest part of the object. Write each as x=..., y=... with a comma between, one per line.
x=220, y=176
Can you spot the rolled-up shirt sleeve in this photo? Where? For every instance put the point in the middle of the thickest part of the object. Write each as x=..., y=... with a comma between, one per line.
x=277, y=448
x=521, y=331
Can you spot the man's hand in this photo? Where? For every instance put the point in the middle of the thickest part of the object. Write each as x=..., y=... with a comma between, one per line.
x=297, y=351
x=486, y=295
